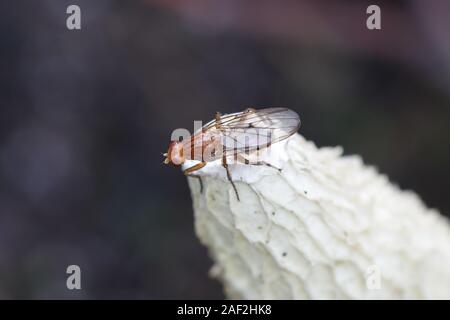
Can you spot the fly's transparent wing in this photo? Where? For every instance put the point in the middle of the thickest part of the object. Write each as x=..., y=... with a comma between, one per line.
x=254, y=129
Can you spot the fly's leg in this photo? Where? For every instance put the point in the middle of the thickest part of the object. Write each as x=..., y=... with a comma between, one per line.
x=188, y=172
x=194, y=168
x=256, y=163
x=199, y=180
x=224, y=156
x=263, y=163
x=225, y=165
x=217, y=117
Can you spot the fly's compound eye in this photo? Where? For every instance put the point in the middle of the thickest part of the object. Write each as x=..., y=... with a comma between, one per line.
x=177, y=155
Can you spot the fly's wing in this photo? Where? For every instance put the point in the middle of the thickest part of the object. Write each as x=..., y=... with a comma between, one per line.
x=255, y=129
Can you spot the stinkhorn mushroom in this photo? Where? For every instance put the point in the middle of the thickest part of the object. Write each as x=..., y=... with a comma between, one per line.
x=325, y=226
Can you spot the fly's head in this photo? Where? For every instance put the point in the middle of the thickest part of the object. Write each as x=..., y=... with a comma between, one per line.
x=175, y=154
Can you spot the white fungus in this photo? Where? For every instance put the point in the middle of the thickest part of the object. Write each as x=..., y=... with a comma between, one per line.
x=325, y=227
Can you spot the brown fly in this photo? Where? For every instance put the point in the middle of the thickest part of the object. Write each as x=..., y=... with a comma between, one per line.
x=234, y=137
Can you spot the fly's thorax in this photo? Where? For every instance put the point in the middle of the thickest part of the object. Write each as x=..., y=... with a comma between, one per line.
x=205, y=147
x=212, y=146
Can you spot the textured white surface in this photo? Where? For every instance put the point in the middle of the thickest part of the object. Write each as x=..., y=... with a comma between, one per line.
x=318, y=229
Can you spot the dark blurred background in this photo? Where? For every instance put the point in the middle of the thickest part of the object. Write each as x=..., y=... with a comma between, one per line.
x=85, y=115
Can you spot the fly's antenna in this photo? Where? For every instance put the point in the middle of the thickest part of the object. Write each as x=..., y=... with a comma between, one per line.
x=166, y=160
